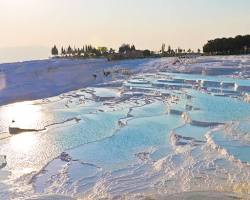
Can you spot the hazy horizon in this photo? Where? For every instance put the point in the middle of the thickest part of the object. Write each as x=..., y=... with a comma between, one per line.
x=145, y=23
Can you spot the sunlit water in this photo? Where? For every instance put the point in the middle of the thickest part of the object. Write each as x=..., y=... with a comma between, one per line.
x=125, y=142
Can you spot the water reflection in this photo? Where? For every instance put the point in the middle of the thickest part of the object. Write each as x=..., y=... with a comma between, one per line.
x=23, y=143
x=22, y=115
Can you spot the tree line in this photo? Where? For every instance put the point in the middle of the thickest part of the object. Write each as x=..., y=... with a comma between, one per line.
x=228, y=46
x=88, y=51
x=176, y=52
x=85, y=51
x=219, y=46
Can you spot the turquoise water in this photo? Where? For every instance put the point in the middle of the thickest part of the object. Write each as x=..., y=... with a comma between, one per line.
x=209, y=78
x=125, y=141
x=218, y=109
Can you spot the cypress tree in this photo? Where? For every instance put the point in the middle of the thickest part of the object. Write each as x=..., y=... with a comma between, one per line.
x=54, y=51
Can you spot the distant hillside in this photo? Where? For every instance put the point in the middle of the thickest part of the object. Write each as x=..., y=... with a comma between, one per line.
x=228, y=46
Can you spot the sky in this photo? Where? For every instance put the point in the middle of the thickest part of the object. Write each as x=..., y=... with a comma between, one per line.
x=30, y=27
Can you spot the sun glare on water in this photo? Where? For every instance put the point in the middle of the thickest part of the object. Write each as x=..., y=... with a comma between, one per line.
x=23, y=142
x=28, y=148
x=26, y=116
x=23, y=115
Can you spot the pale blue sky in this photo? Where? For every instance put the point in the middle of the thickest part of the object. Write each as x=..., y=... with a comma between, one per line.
x=146, y=23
